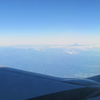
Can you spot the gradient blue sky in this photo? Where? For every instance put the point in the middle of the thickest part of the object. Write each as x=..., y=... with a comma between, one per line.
x=60, y=22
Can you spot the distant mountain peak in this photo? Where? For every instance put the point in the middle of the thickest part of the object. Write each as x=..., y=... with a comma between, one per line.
x=76, y=44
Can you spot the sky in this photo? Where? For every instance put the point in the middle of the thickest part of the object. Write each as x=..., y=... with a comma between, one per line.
x=49, y=22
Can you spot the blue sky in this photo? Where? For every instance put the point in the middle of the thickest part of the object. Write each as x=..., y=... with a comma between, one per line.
x=60, y=22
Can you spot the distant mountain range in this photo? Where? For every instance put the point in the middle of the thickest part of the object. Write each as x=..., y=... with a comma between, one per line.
x=76, y=44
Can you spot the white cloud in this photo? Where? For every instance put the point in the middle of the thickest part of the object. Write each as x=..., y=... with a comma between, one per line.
x=72, y=52
x=78, y=47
